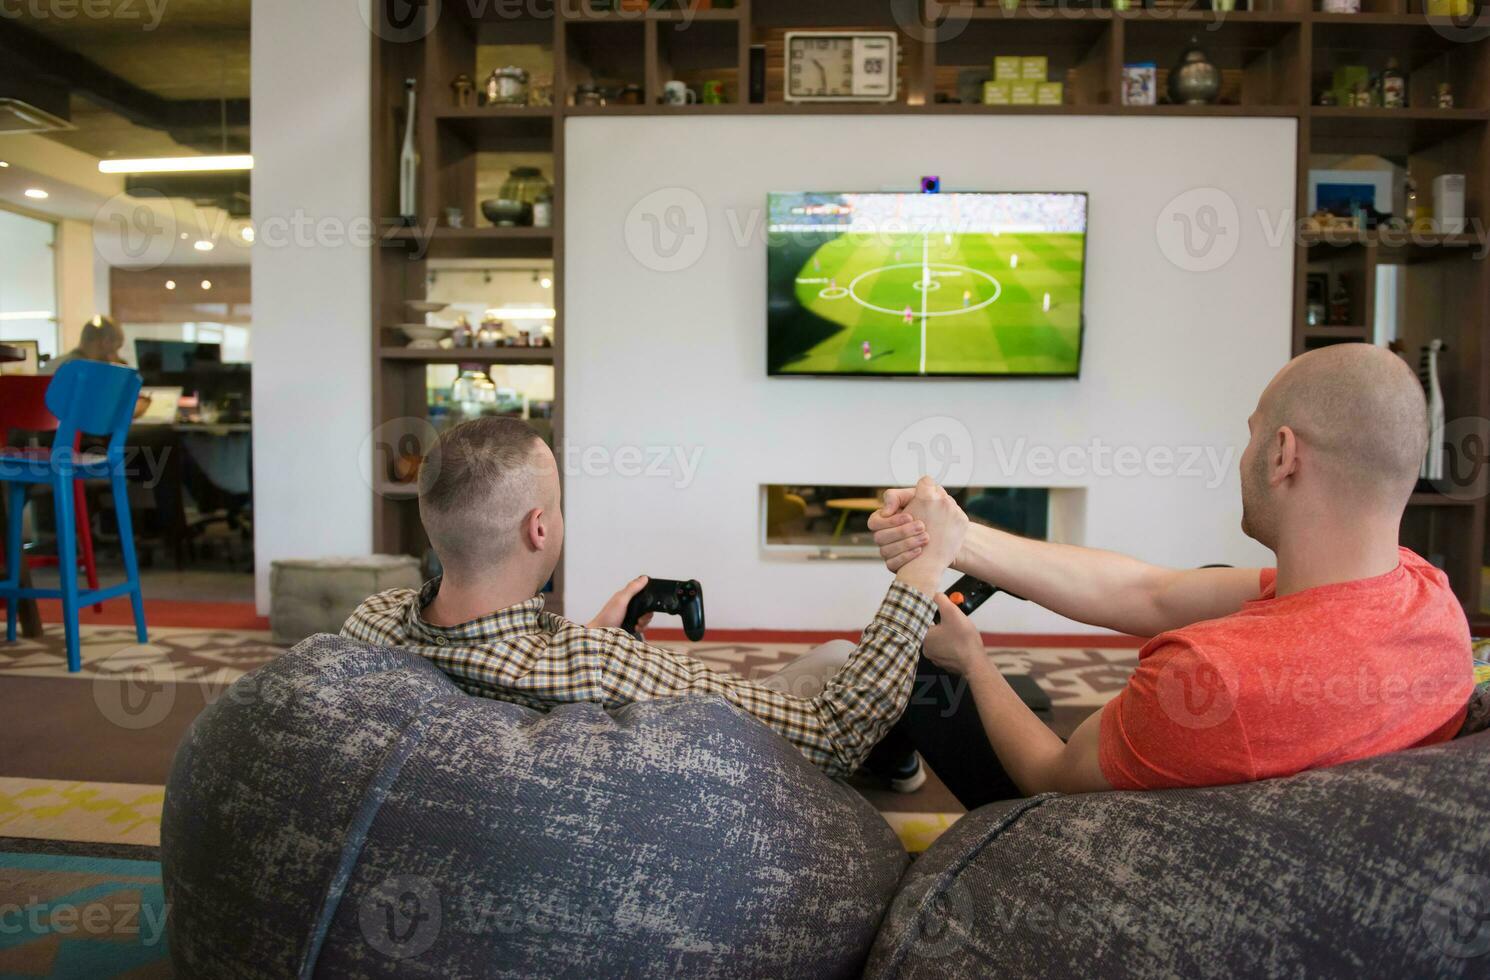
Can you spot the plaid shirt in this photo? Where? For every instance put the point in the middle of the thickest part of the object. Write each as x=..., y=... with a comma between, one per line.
x=526, y=656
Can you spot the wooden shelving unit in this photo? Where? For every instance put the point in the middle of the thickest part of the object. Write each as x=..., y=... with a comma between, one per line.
x=1274, y=58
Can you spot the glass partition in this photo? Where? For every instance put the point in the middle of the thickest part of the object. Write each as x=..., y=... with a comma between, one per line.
x=28, y=281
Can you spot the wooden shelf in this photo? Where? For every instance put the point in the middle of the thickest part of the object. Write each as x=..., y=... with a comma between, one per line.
x=494, y=112
x=1202, y=111
x=510, y=129
x=1052, y=15
x=485, y=242
x=391, y=490
x=1387, y=132
x=728, y=14
x=470, y=355
x=1274, y=62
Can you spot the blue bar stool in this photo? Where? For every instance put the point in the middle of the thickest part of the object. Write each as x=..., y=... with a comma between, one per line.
x=96, y=399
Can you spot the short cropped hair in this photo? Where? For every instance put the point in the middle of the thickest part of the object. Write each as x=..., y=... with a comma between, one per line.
x=476, y=485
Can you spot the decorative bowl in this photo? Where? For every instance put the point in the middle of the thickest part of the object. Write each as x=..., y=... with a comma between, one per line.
x=424, y=306
x=506, y=213
x=423, y=332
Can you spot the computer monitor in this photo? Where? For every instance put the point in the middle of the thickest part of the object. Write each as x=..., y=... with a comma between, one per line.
x=161, y=361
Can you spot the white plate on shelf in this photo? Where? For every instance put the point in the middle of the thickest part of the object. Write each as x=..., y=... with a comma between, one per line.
x=424, y=306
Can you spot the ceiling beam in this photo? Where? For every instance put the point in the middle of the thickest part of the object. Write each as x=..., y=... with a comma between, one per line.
x=192, y=122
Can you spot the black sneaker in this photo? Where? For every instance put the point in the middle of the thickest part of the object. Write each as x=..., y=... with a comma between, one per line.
x=906, y=776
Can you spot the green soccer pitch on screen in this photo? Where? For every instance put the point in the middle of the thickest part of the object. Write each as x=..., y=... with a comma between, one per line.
x=928, y=285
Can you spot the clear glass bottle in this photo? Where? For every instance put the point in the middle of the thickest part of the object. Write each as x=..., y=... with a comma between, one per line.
x=1393, y=86
x=408, y=162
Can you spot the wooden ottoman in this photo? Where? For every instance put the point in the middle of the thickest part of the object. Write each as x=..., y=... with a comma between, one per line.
x=316, y=595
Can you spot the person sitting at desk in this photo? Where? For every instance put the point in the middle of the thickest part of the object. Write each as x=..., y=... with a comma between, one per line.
x=101, y=340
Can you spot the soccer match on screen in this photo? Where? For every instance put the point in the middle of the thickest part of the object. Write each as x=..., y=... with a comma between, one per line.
x=954, y=284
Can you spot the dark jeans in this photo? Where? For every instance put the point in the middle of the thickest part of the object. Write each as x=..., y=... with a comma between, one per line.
x=941, y=722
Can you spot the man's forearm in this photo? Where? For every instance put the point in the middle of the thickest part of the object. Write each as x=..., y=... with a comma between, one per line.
x=1099, y=588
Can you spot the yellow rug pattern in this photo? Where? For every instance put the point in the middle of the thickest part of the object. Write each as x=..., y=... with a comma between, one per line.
x=97, y=813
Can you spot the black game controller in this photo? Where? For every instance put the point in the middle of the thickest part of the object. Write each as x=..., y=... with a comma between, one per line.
x=684, y=599
x=968, y=593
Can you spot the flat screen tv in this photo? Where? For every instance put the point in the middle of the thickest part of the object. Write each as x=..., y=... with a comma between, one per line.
x=886, y=284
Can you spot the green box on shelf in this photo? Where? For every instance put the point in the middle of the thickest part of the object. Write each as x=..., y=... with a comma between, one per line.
x=1345, y=79
x=1006, y=69
x=997, y=93
x=1034, y=68
x=1050, y=93
x=1023, y=93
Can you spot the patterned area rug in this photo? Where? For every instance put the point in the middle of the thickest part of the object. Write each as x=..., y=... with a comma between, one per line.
x=77, y=917
x=56, y=809
x=173, y=654
x=1073, y=677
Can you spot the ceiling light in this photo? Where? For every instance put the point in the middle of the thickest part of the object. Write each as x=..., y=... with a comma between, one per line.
x=37, y=194
x=28, y=315
x=247, y=234
x=546, y=283
x=206, y=283
x=177, y=165
x=170, y=284
x=203, y=245
x=4, y=164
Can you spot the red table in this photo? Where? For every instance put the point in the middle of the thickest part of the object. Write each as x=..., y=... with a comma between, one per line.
x=29, y=616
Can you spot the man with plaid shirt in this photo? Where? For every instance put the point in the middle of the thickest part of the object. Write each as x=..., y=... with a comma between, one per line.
x=489, y=500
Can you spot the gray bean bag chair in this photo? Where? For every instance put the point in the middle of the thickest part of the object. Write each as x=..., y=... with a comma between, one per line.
x=1378, y=868
x=346, y=811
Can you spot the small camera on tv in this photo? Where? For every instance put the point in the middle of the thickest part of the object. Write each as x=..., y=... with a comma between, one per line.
x=931, y=185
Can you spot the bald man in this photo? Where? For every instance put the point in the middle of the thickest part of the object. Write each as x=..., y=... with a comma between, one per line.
x=1351, y=647
x=489, y=500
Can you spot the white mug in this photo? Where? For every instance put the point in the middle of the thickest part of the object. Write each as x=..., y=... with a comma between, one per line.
x=676, y=93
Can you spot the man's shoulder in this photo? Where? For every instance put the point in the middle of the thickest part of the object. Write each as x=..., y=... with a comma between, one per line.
x=381, y=618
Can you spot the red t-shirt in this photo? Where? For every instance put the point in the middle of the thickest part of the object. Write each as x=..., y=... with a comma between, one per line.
x=1312, y=679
